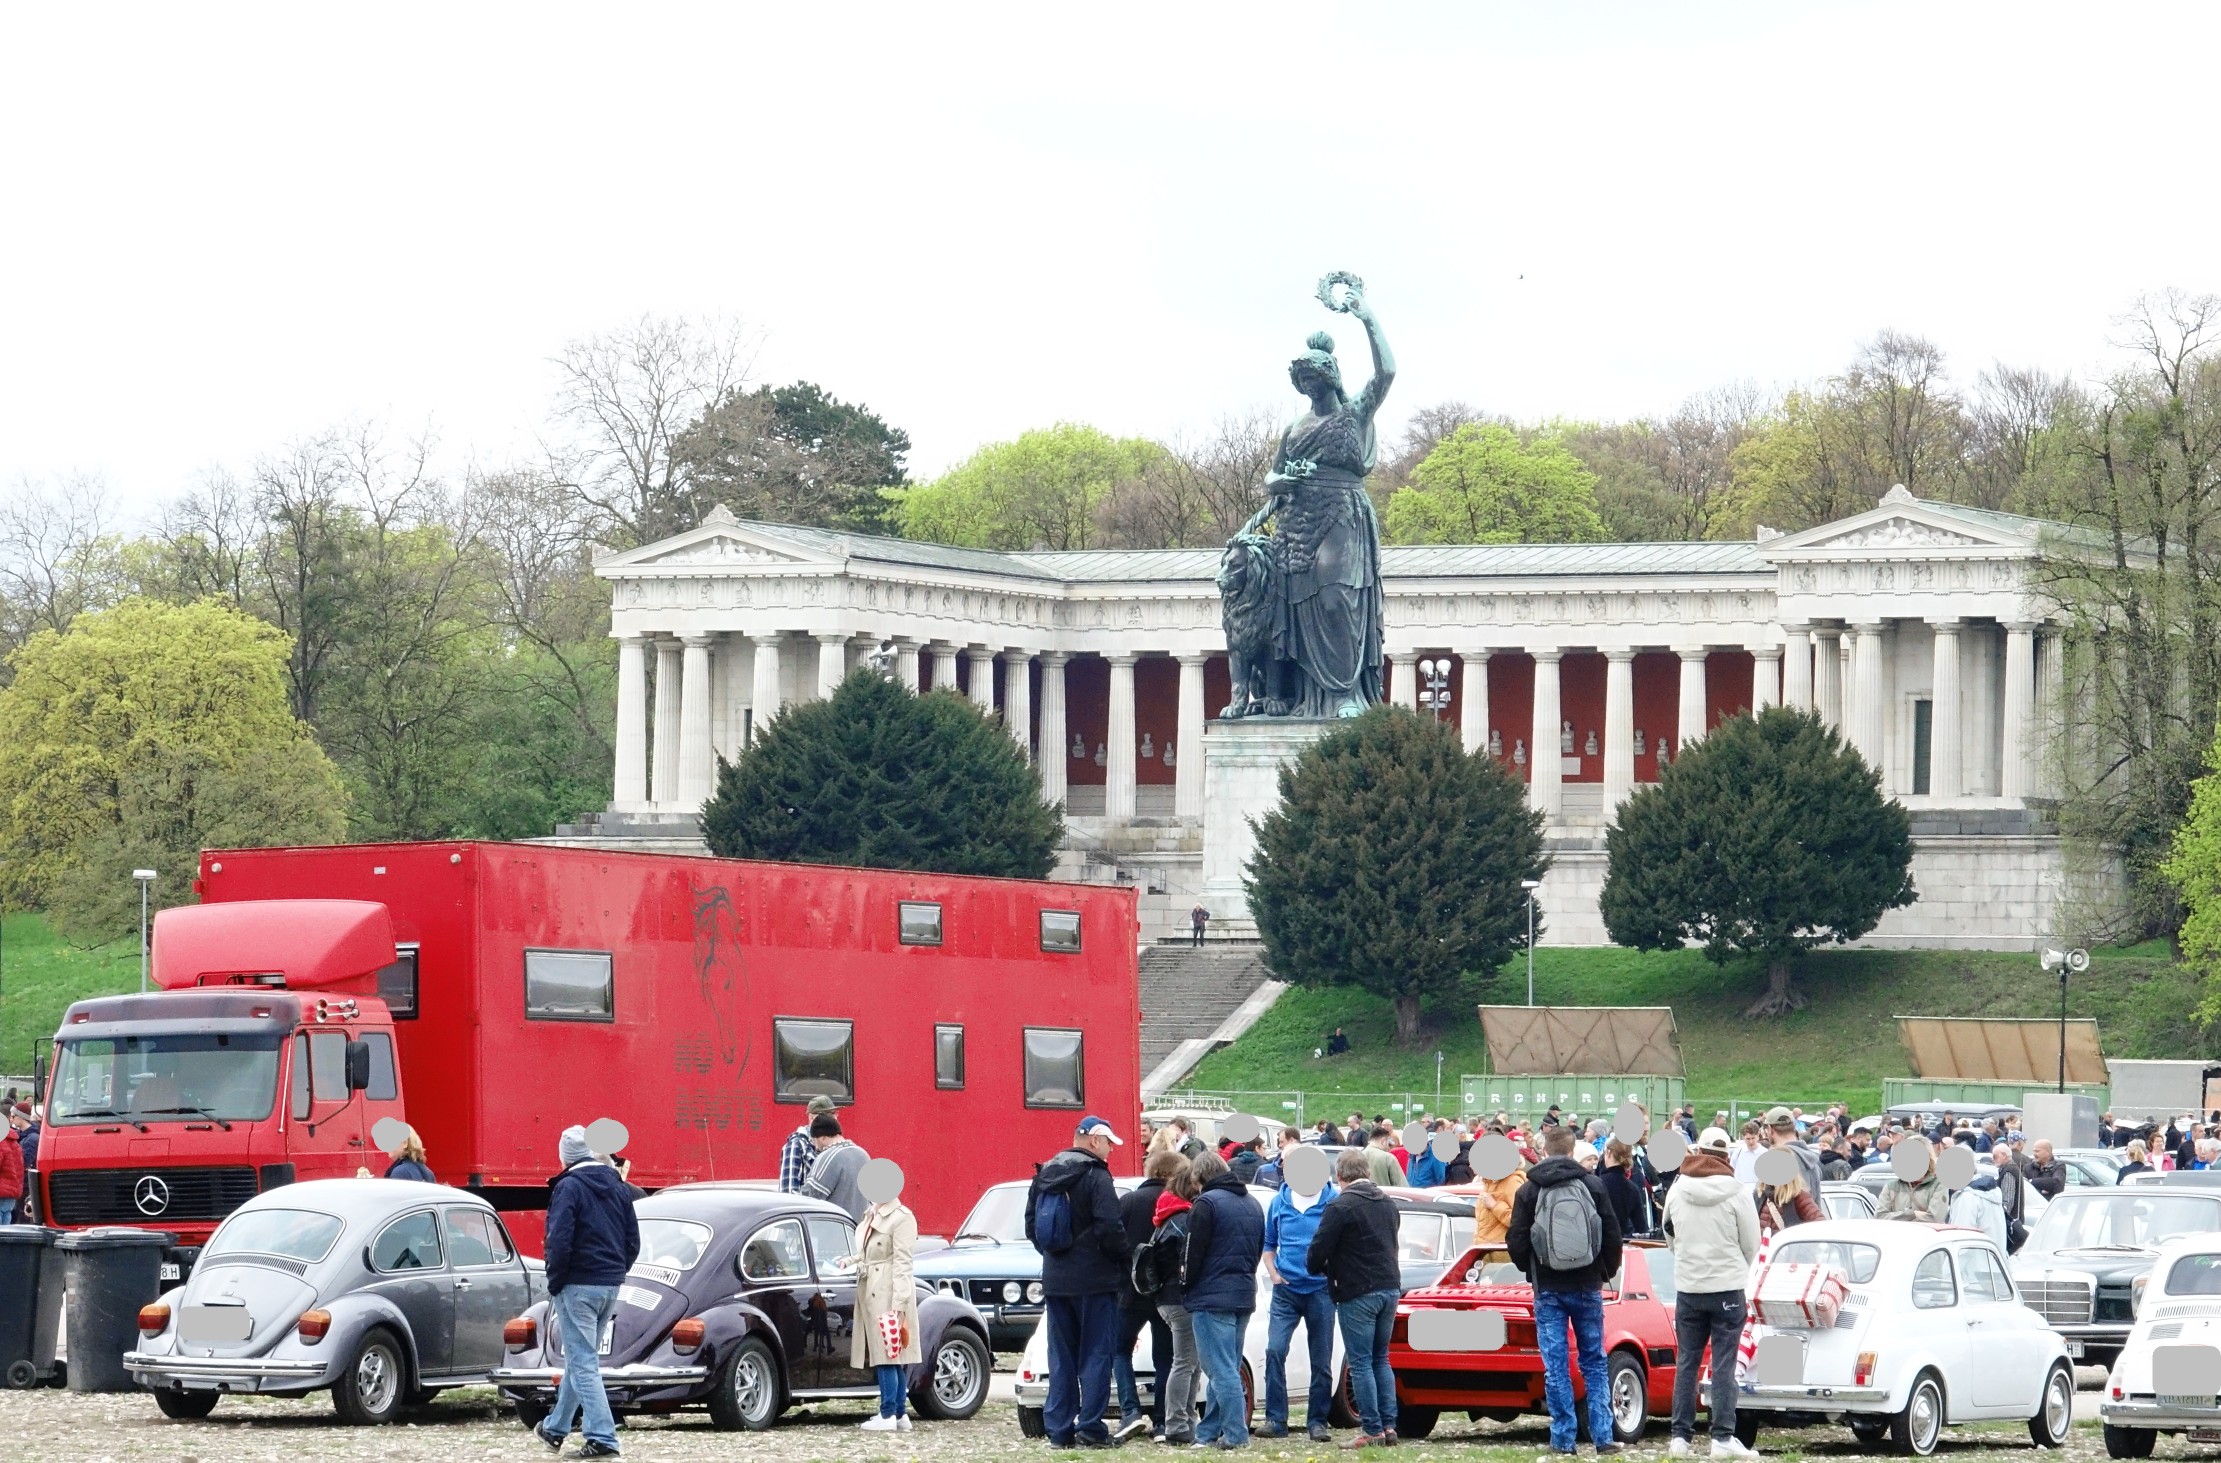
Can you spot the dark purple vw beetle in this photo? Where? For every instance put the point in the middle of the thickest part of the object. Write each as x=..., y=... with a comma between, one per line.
x=744, y=1301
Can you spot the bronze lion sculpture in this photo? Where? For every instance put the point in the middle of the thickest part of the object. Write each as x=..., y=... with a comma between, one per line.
x=1249, y=594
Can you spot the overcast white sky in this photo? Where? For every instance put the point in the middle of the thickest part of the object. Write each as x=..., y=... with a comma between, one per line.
x=224, y=226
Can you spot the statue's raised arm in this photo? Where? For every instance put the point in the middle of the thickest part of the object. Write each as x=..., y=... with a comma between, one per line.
x=1346, y=292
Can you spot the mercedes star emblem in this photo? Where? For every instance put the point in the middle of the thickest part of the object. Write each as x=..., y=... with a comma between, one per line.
x=151, y=1195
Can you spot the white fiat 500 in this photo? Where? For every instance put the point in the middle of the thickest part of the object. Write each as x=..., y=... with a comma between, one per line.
x=2167, y=1378
x=1930, y=1334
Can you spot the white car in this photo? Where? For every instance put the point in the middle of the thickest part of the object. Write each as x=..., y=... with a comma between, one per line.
x=2175, y=1343
x=1931, y=1333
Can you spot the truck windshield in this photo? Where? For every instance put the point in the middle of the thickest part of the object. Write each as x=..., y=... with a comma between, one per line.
x=165, y=1077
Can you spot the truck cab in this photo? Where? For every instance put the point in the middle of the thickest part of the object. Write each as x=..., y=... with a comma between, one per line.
x=264, y=1057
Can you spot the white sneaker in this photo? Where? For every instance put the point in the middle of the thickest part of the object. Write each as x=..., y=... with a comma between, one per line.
x=902, y=1423
x=1679, y=1448
x=1733, y=1448
x=879, y=1425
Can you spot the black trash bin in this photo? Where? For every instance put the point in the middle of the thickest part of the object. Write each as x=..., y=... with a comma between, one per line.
x=30, y=1304
x=112, y=1272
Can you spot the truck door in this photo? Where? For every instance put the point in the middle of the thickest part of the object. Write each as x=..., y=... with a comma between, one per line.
x=488, y=1283
x=327, y=1135
x=833, y=1245
x=412, y=1273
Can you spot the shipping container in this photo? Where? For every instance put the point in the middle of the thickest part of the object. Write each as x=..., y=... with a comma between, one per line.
x=1589, y=1095
x=1897, y=1091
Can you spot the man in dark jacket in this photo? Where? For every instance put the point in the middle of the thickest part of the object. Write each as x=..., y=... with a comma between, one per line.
x=1226, y=1240
x=2046, y=1174
x=1137, y=1215
x=1585, y=1239
x=1080, y=1284
x=592, y=1240
x=1355, y=1249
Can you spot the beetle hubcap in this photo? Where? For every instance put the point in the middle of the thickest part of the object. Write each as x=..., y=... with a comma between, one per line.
x=2059, y=1405
x=954, y=1375
x=376, y=1378
x=752, y=1386
x=1924, y=1416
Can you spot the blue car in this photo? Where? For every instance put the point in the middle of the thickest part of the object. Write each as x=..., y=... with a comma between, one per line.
x=991, y=1264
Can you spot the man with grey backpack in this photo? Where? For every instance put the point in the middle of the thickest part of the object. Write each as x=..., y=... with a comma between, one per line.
x=1564, y=1237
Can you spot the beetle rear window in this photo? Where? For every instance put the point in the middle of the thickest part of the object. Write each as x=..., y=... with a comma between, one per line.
x=1856, y=1261
x=292, y=1234
x=672, y=1244
x=2195, y=1275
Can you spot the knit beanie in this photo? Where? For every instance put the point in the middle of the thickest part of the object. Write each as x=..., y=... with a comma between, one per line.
x=572, y=1146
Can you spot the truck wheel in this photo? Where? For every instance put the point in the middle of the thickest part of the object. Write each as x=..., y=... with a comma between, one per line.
x=958, y=1385
x=186, y=1406
x=1416, y=1423
x=371, y=1387
x=2129, y=1442
x=2054, y=1410
x=748, y=1391
x=1031, y=1424
x=1917, y=1429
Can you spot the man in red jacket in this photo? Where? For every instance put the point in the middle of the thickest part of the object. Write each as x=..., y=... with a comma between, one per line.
x=11, y=1168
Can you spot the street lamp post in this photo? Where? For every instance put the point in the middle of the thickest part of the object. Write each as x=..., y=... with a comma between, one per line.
x=1532, y=886
x=146, y=881
x=2064, y=961
x=1434, y=686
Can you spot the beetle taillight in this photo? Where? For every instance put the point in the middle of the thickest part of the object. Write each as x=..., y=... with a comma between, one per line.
x=687, y=1334
x=154, y=1319
x=520, y=1333
x=1862, y=1375
x=313, y=1326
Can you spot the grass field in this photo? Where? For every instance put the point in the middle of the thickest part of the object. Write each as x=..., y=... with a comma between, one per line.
x=1842, y=1044
x=40, y=974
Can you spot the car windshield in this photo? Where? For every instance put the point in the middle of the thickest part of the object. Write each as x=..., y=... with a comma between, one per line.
x=165, y=1077
x=292, y=1234
x=1000, y=1214
x=2195, y=1275
x=672, y=1244
x=1856, y=1261
x=2121, y=1219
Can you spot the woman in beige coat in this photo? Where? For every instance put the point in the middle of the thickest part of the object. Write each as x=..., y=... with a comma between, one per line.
x=886, y=1242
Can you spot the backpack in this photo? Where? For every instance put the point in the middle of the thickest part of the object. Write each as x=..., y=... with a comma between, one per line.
x=1568, y=1232
x=1161, y=1257
x=1052, y=1221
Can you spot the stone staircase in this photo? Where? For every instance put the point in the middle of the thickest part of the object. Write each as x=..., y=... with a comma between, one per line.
x=1193, y=1001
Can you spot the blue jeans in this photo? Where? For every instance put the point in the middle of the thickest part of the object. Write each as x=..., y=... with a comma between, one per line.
x=894, y=1390
x=1315, y=1309
x=580, y=1311
x=7, y=1211
x=1083, y=1337
x=1367, y=1323
x=1218, y=1341
x=1584, y=1310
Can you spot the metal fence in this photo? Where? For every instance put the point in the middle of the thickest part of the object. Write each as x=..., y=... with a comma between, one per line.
x=1304, y=1108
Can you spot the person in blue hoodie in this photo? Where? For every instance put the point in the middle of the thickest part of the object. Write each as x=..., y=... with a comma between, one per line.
x=1427, y=1171
x=1226, y=1242
x=1298, y=1296
x=592, y=1239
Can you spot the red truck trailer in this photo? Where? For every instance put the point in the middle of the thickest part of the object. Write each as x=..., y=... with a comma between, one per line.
x=493, y=994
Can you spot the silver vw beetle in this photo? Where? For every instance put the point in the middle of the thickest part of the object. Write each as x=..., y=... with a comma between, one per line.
x=382, y=1290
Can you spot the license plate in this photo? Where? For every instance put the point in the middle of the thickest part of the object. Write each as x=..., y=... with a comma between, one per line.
x=170, y=1270
x=609, y=1336
x=2074, y=1349
x=2205, y=1435
x=2185, y=1399
x=207, y=1325
x=1430, y=1330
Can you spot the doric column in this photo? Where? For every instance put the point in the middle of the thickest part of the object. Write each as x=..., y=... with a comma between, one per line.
x=906, y=662
x=769, y=687
x=1765, y=677
x=2020, y=705
x=1018, y=698
x=944, y=667
x=1796, y=663
x=1619, y=728
x=1473, y=714
x=1827, y=676
x=1053, y=731
x=631, y=791
x=1405, y=692
x=1846, y=684
x=2045, y=757
x=1946, y=731
x=1689, y=720
x=832, y=662
x=1187, y=776
x=697, y=764
x=732, y=661
x=1544, y=771
x=1118, y=788
x=664, y=790
x=982, y=677
x=1866, y=693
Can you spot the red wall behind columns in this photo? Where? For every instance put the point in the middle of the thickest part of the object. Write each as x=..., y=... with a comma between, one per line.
x=1218, y=687
x=1657, y=705
x=1156, y=712
x=1511, y=701
x=1728, y=678
x=1581, y=701
x=1086, y=711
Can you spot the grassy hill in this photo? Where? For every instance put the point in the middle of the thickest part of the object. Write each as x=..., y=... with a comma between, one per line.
x=1842, y=1044
x=40, y=974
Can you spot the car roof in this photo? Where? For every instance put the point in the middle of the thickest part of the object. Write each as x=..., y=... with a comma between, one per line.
x=364, y=1199
x=1887, y=1235
x=726, y=1203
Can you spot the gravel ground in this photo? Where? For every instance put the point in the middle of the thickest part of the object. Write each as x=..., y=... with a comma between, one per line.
x=467, y=1425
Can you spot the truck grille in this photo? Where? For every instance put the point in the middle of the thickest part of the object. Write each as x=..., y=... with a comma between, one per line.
x=113, y=1195
x=2059, y=1302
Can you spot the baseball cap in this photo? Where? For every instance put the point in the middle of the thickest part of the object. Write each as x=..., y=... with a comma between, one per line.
x=818, y=1104
x=1780, y=1117
x=1714, y=1141
x=1094, y=1127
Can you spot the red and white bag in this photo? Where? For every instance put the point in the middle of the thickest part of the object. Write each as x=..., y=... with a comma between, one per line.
x=892, y=1337
x=1797, y=1297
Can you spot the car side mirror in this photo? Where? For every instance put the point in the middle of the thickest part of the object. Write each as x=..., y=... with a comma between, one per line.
x=358, y=1066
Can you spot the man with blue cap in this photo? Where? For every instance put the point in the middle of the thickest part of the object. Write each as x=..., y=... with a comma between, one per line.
x=1072, y=1218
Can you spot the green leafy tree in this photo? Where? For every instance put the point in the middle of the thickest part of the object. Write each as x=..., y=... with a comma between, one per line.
x=142, y=734
x=1767, y=838
x=1046, y=490
x=876, y=777
x=793, y=454
x=2194, y=868
x=1393, y=863
x=1483, y=484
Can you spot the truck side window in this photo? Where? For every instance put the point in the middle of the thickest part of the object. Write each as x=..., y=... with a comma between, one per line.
x=569, y=985
x=1060, y=931
x=411, y=1242
x=384, y=1087
x=397, y=984
x=328, y=1065
x=297, y=1082
x=920, y=923
x=1055, y=1067
x=948, y=1057
x=813, y=1059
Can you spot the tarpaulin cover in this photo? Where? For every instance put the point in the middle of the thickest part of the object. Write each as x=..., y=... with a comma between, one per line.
x=1996, y=1049
x=1541, y=1040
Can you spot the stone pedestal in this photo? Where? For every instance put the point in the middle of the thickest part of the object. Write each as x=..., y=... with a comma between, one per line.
x=1241, y=783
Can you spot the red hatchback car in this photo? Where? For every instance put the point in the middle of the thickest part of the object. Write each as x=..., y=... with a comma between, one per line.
x=1502, y=1382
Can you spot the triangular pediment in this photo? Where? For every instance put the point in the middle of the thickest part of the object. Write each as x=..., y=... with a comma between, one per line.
x=722, y=542
x=1902, y=522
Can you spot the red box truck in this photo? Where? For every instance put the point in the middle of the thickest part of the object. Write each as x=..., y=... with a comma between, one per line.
x=493, y=994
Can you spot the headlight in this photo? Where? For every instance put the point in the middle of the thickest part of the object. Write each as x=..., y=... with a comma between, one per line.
x=1011, y=1291
x=1033, y=1292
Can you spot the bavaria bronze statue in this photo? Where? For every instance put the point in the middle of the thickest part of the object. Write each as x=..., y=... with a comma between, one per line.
x=1301, y=582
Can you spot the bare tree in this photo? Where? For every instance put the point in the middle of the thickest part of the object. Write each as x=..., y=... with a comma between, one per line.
x=210, y=539
x=57, y=559
x=1906, y=423
x=2014, y=434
